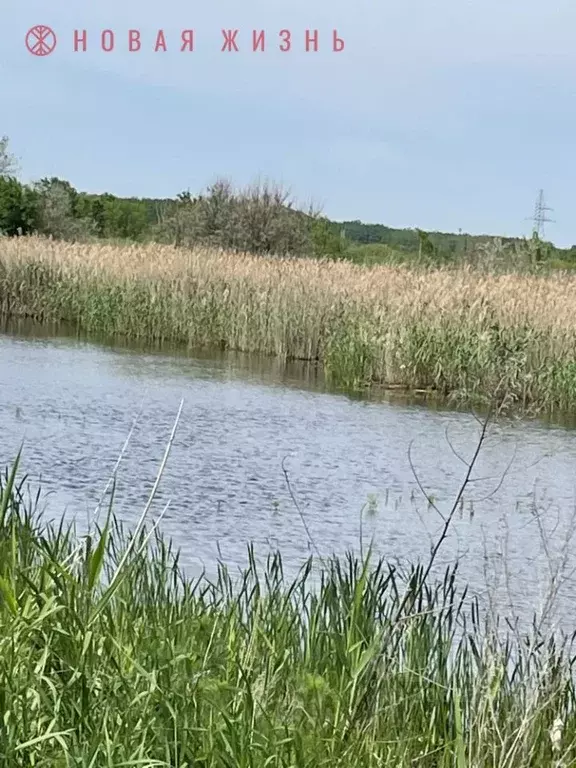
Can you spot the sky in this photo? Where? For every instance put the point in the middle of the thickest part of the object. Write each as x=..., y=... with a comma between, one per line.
x=442, y=115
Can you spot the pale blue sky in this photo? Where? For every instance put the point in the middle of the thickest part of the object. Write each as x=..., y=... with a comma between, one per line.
x=441, y=115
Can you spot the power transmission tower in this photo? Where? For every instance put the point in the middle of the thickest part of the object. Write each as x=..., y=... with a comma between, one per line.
x=540, y=218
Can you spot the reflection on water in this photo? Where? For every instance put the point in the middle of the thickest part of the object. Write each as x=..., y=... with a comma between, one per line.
x=351, y=463
x=301, y=374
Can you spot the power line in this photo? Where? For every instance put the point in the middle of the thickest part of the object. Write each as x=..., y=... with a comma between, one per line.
x=539, y=218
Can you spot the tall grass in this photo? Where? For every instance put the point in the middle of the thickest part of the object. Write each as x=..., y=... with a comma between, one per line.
x=458, y=332
x=110, y=656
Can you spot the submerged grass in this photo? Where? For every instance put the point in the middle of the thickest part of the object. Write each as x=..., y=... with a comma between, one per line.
x=460, y=333
x=110, y=656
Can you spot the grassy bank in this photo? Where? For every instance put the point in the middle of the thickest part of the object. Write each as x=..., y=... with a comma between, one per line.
x=459, y=333
x=109, y=656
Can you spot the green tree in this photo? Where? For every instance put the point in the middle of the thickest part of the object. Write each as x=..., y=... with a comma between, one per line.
x=325, y=241
x=426, y=247
x=18, y=210
x=56, y=207
x=125, y=219
x=99, y=216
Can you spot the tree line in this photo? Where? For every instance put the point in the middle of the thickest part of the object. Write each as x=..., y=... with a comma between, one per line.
x=261, y=219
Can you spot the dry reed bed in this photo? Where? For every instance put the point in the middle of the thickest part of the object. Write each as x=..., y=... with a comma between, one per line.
x=459, y=332
x=544, y=302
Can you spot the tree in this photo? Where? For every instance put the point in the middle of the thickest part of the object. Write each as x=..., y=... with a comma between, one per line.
x=265, y=220
x=214, y=213
x=178, y=223
x=260, y=219
x=17, y=207
x=325, y=241
x=425, y=245
x=99, y=217
x=8, y=164
x=56, y=211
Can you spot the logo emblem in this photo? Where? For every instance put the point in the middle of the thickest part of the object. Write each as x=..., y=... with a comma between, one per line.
x=40, y=40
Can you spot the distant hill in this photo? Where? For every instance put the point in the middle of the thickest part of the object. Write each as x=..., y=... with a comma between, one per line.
x=408, y=239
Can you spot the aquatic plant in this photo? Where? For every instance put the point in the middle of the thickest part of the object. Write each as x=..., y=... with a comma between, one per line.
x=110, y=656
x=461, y=333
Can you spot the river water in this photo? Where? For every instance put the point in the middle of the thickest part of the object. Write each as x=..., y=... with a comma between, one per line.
x=354, y=467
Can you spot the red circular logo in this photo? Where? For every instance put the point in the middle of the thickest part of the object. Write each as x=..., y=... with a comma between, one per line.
x=40, y=40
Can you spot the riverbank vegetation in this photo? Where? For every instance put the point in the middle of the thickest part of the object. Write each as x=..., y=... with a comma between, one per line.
x=262, y=218
x=459, y=333
x=470, y=319
x=111, y=656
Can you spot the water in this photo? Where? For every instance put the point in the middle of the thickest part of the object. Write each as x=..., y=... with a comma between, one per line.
x=351, y=465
